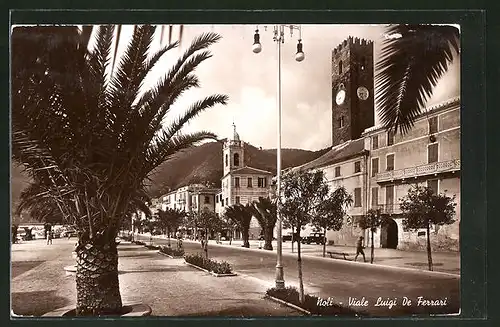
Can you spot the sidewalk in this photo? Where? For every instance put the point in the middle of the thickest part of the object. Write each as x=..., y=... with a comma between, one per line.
x=169, y=286
x=448, y=262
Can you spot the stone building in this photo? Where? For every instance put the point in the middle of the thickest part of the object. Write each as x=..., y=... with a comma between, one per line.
x=241, y=184
x=429, y=155
x=378, y=167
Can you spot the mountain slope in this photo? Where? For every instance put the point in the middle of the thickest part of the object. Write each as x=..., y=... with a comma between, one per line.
x=203, y=164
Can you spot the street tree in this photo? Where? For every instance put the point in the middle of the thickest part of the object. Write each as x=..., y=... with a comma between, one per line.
x=331, y=211
x=241, y=215
x=170, y=220
x=265, y=213
x=412, y=60
x=208, y=221
x=302, y=192
x=89, y=135
x=372, y=220
x=422, y=208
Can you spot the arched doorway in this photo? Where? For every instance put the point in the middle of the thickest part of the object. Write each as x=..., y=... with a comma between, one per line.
x=389, y=234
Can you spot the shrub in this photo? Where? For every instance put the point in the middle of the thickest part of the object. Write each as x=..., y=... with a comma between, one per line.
x=291, y=295
x=139, y=243
x=152, y=247
x=209, y=264
x=172, y=251
x=127, y=238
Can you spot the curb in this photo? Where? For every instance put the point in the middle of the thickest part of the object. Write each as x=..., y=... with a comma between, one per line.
x=210, y=272
x=288, y=304
x=371, y=266
x=168, y=255
x=137, y=310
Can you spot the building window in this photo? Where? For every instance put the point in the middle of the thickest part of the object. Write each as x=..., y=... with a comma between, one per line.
x=374, y=167
x=249, y=182
x=357, y=167
x=389, y=194
x=357, y=197
x=227, y=201
x=261, y=182
x=337, y=171
x=207, y=199
x=433, y=184
x=226, y=160
x=340, y=67
x=390, y=162
x=341, y=122
x=432, y=153
x=236, y=182
x=390, y=138
x=236, y=159
x=374, y=197
x=237, y=200
x=363, y=63
x=222, y=201
x=375, y=142
x=216, y=199
x=433, y=125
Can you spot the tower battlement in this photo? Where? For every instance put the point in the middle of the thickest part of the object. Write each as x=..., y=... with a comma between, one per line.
x=350, y=41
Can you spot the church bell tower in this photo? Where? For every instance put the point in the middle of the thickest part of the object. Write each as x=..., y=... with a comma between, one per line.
x=352, y=89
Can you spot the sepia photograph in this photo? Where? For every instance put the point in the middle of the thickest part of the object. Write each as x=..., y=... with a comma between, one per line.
x=265, y=170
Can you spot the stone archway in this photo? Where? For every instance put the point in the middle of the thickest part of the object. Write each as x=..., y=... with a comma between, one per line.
x=389, y=234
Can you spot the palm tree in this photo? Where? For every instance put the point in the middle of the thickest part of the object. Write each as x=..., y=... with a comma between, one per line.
x=89, y=141
x=413, y=59
x=241, y=215
x=170, y=220
x=265, y=213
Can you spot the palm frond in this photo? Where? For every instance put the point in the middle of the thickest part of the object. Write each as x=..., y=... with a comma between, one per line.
x=409, y=67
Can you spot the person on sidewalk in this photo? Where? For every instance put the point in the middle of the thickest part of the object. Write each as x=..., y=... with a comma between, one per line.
x=49, y=237
x=359, y=248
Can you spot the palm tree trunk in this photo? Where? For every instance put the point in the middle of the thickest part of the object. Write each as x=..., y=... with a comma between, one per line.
x=168, y=236
x=205, y=248
x=97, y=285
x=268, y=237
x=429, y=255
x=324, y=242
x=372, y=254
x=301, y=282
x=293, y=237
x=246, y=242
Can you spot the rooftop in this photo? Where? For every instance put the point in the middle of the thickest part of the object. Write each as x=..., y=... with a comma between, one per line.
x=338, y=153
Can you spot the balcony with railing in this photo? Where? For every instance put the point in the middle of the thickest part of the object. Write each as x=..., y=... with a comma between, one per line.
x=423, y=170
x=389, y=208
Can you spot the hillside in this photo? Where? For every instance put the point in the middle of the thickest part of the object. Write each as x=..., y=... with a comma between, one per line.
x=200, y=164
x=204, y=164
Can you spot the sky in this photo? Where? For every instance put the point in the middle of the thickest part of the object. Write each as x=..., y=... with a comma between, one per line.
x=251, y=80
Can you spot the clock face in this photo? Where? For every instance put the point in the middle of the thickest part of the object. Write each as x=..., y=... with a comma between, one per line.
x=363, y=93
x=340, y=97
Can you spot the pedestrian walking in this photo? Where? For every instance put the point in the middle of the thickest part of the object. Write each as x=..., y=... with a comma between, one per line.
x=359, y=248
x=49, y=237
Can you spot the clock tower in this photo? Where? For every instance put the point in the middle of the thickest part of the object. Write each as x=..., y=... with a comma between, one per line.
x=352, y=89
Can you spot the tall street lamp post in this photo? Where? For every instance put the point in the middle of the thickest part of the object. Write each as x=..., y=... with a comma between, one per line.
x=279, y=38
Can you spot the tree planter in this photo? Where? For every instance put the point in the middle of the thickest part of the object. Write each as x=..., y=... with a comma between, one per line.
x=129, y=310
x=210, y=272
x=288, y=304
x=70, y=270
x=170, y=256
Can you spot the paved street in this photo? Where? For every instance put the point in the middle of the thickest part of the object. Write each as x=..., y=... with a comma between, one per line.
x=341, y=280
x=39, y=284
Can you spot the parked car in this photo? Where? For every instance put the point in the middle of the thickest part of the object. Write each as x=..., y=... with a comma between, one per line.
x=261, y=238
x=68, y=233
x=318, y=238
x=289, y=237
